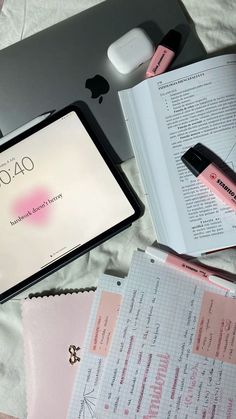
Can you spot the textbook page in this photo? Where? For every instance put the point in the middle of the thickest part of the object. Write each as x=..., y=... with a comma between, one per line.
x=173, y=352
x=173, y=112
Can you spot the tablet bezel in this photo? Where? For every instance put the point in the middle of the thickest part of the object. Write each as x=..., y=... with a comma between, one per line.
x=123, y=183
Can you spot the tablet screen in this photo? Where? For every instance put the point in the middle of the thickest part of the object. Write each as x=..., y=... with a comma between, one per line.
x=57, y=193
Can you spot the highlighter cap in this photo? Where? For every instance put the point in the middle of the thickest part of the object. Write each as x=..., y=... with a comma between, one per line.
x=171, y=40
x=195, y=161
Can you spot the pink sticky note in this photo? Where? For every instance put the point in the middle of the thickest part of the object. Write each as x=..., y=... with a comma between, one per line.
x=216, y=331
x=105, y=323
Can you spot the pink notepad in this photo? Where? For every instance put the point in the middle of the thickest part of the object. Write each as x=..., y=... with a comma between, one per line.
x=54, y=329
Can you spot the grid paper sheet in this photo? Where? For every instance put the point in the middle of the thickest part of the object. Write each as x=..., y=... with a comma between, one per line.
x=172, y=354
x=104, y=313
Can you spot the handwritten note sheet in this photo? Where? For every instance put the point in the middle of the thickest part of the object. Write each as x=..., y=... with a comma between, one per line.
x=171, y=338
x=103, y=317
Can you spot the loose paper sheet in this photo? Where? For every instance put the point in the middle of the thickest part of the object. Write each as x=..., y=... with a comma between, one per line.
x=171, y=337
x=98, y=339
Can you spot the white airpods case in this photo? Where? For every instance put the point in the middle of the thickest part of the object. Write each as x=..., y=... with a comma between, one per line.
x=130, y=51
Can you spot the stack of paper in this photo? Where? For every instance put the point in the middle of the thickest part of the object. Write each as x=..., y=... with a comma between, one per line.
x=159, y=343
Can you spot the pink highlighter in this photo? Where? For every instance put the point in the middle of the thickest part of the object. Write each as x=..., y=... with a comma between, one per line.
x=164, y=54
x=209, y=174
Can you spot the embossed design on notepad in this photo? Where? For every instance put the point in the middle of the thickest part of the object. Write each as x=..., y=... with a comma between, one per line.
x=73, y=354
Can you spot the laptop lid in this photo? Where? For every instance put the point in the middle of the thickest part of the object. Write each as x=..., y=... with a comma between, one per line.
x=68, y=62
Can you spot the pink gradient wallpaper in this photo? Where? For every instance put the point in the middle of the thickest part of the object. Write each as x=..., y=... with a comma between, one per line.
x=34, y=206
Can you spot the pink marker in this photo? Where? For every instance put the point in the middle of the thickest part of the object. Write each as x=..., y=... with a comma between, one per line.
x=164, y=54
x=190, y=268
x=209, y=174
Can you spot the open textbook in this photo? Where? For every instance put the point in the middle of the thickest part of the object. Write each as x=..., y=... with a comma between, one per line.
x=159, y=344
x=165, y=116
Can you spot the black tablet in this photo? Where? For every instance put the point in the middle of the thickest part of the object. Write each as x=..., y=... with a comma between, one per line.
x=60, y=196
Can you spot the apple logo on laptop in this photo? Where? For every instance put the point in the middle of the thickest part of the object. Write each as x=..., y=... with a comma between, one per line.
x=98, y=87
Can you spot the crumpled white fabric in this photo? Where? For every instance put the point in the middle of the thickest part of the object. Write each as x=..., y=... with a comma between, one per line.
x=215, y=22
x=215, y=25
x=22, y=18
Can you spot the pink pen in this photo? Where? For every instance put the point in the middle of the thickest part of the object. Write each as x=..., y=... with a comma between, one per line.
x=209, y=174
x=190, y=268
x=164, y=53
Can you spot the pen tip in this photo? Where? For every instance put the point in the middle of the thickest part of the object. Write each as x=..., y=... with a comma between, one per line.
x=48, y=113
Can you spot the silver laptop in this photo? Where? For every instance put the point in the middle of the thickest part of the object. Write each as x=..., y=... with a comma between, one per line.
x=68, y=62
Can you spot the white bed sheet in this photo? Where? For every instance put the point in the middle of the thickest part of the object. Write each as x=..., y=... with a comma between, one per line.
x=215, y=23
